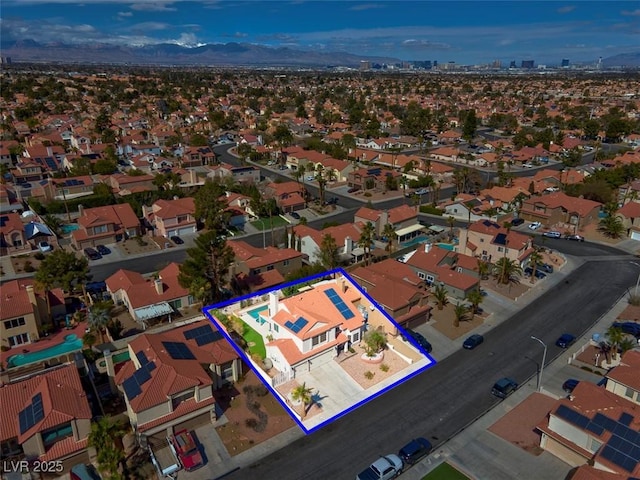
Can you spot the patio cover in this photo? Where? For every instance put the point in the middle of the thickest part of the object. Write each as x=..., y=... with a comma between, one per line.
x=407, y=230
x=152, y=311
x=436, y=228
x=36, y=229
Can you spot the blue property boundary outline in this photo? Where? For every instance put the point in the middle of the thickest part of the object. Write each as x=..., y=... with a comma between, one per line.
x=328, y=275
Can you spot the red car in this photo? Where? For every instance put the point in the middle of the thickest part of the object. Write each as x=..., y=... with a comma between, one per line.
x=187, y=449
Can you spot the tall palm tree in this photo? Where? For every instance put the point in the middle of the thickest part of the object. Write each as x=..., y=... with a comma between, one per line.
x=304, y=395
x=611, y=226
x=484, y=268
x=366, y=239
x=474, y=297
x=98, y=318
x=322, y=182
x=390, y=234
x=451, y=221
x=507, y=271
x=440, y=294
x=460, y=313
x=615, y=336
x=535, y=260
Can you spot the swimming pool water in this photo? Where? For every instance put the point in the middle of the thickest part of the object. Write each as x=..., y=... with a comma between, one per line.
x=71, y=343
x=255, y=313
x=414, y=241
x=69, y=227
x=446, y=246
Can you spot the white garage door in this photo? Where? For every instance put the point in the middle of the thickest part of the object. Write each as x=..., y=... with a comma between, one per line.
x=635, y=235
x=181, y=231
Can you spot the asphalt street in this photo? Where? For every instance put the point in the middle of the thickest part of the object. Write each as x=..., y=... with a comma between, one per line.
x=445, y=399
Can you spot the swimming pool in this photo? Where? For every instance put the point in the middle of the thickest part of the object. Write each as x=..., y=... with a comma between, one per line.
x=414, y=241
x=69, y=227
x=255, y=313
x=71, y=343
x=446, y=246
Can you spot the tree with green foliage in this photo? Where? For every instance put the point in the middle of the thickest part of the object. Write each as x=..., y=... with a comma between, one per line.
x=535, y=260
x=366, y=240
x=99, y=316
x=441, y=296
x=106, y=437
x=198, y=140
x=390, y=234
x=375, y=341
x=209, y=208
x=62, y=269
x=611, y=226
x=507, y=271
x=475, y=298
x=304, y=395
x=459, y=314
x=328, y=253
x=206, y=268
x=469, y=125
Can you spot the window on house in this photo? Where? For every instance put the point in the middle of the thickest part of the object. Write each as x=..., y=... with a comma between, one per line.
x=276, y=328
x=355, y=337
x=459, y=269
x=11, y=447
x=99, y=229
x=500, y=249
x=285, y=263
x=19, y=339
x=594, y=444
x=629, y=392
x=227, y=373
x=422, y=275
x=430, y=278
x=177, y=400
x=53, y=435
x=269, y=268
x=13, y=323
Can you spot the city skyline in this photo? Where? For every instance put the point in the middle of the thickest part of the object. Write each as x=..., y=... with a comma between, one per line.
x=447, y=31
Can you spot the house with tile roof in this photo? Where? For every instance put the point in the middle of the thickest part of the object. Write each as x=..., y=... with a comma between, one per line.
x=46, y=416
x=259, y=268
x=599, y=427
x=105, y=225
x=629, y=213
x=13, y=238
x=371, y=178
x=172, y=217
x=197, y=157
x=403, y=218
x=148, y=299
x=560, y=210
x=172, y=375
x=346, y=237
x=397, y=288
x=490, y=241
x=456, y=272
x=289, y=196
x=122, y=184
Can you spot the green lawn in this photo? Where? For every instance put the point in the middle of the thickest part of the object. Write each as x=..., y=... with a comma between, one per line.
x=265, y=223
x=444, y=471
x=251, y=336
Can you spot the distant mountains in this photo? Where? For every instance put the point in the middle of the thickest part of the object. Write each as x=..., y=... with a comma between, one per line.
x=624, y=59
x=229, y=54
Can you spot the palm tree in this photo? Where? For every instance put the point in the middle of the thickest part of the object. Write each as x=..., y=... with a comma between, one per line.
x=302, y=394
x=474, y=297
x=535, y=260
x=484, y=268
x=611, y=226
x=322, y=182
x=106, y=437
x=366, y=239
x=451, y=221
x=98, y=318
x=440, y=294
x=404, y=181
x=615, y=336
x=390, y=234
x=460, y=314
x=507, y=271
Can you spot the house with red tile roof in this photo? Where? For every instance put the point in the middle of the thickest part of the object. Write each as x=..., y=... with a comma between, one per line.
x=13, y=238
x=490, y=241
x=149, y=298
x=629, y=213
x=289, y=196
x=122, y=184
x=456, y=272
x=105, y=225
x=197, y=157
x=371, y=178
x=172, y=375
x=241, y=174
x=561, y=211
x=402, y=218
x=259, y=268
x=46, y=416
x=446, y=154
x=599, y=426
x=397, y=289
x=172, y=217
x=346, y=237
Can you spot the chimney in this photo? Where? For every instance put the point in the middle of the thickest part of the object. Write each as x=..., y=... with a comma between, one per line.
x=80, y=210
x=343, y=284
x=273, y=303
x=49, y=151
x=348, y=244
x=427, y=247
x=32, y=296
x=159, y=286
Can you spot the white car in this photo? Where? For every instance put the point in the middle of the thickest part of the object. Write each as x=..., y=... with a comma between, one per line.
x=310, y=178
x=535, y=225
x=44, y=247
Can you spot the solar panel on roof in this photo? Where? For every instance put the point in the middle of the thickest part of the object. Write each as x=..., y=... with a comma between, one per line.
x=301, y=322
x=501, y=239
x=339, y=303
x=131, y=388
x=142, y=358
x=626, y=419
x=3, y=220
x=178, y=351
x=595, y=428
x=572, y=416
x=604, y=421
x=31, y=414
x=38, y=409
x=208, y=338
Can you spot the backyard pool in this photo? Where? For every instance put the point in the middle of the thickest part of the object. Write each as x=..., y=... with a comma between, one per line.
x=446, y=246
x=414, y=241
x=255, y=313
x=69, y=227
x=71, y=343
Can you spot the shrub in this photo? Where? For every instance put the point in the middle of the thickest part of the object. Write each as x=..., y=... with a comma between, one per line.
x=28, y=267
x=368, y=375
x=430, y=209
x=39, y=256
x=261, y=390
x=251, y=423
x=384, y=367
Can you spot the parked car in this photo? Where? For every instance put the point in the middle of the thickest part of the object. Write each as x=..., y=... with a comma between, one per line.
x=545, y=267
x=422, y=191
x=517, y=221
x=631, y=328
x=177, y=240
x=187, y=449
x=92, y=254
x=473, y=341
x=310, y=178
x=565, y=340
x=385, y=468
x=295, y=215
x=552, y=234
x=535, y=225
x=504, y=387
x=352, y=189
x=81, y=471
x=415, y=450
x=420, y=340
x=44, y=247
x=577, y=238
x=102, y=250
x=570, y=384
x=539, y=273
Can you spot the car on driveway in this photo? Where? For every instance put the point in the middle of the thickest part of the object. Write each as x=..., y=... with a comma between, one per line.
x=44, y=247
x=631, y=328
x=534, y=225
x=187, y=449
x=92, y=254
x=570, y=384
x=517, y=221
x=309, y=178
x=504, y=387
x=352, y=190
x=565, y=340
x=177, y=240
x=545, y=267
x=413, y=451
x=102, y=250
x=552, y=234
x=420, y=340
x=539, y=273
x=473, y=341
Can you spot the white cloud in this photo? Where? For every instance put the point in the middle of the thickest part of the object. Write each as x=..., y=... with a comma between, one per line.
x=631, y=13
x=153, y=6
x=125, y=14
x=567, y=9
x=150, y=26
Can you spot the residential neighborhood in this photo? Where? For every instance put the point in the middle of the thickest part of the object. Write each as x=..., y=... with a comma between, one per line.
x=243, y=258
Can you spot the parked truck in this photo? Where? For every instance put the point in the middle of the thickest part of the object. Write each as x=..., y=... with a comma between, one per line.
x=187, y=449
x=385, y=468
x=165, y=459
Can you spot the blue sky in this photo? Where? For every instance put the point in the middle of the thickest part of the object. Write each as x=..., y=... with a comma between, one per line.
x=463, y=32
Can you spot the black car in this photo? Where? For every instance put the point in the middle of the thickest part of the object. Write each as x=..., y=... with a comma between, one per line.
x=504, y=387
x=415, y=450
x=570, y=384
x=545, y=267
x=177, y=240
x=539, y=273
x=92, y=254
x=517, y=221
x=102, y=250
x=631, y=328
x=420, y=340
x=565, y=340
x=295, y=215
x=473, y=341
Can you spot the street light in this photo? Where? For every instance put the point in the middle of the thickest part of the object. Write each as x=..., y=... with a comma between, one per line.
x=544, y=357
x=635, y=292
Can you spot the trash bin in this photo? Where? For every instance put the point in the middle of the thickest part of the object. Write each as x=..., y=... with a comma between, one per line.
x=595, y=337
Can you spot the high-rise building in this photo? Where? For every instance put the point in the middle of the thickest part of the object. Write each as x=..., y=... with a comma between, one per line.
x=512, y=64
x=565, y=63
x=5, y=60
x=526, y=64
x=365, y=65
x=435, y=64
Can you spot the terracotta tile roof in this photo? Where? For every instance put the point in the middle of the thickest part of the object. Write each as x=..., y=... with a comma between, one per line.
x=184, y=408
x=388, y=291
x=261, y=281
x=628, y=372
x=14, y=300
x=630, y=210
x=293, y=355
x=172, y=208
x=65, y=448
x=582, y=206
x=63, y=399
x=121, y=214
x=12, y=223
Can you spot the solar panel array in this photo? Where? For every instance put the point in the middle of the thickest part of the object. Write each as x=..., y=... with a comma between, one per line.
x=623, y=448
x=133, y=385
x=298, y=325
x=203, y=335
x=142, y=357
x=51, y=163
x=3, y=220
x=339, y=303
x=178, y=351
x=73, y=182
x=501, y=239
x=32, y=413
